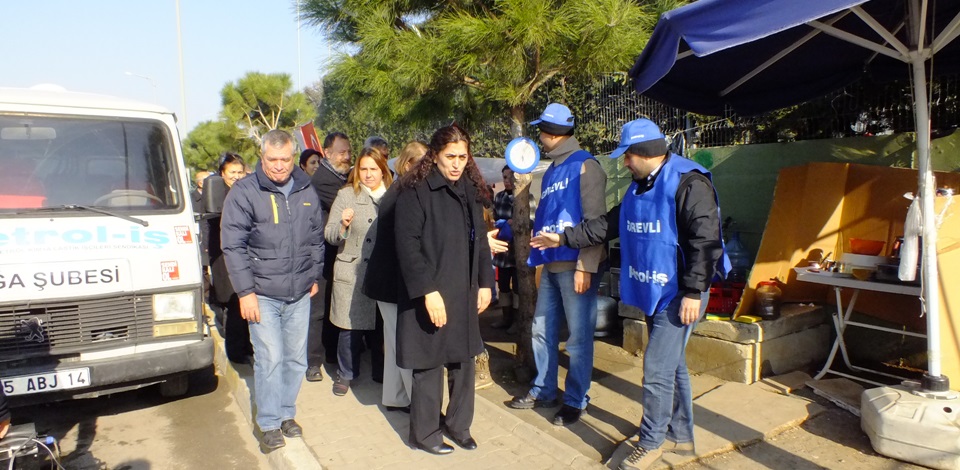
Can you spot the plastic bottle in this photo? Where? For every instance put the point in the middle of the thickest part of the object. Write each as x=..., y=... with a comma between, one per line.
x=740, y=259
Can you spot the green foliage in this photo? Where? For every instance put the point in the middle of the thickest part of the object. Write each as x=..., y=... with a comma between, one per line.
x=259, y=102
x=205, y=142
x=253, y=105
x=420, y=61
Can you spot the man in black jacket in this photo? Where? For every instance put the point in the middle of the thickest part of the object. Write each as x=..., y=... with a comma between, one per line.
x=669, y=229
x=327, y=181
x=271, y=233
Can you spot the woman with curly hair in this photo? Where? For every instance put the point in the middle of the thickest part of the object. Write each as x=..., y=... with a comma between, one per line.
x=445, y=266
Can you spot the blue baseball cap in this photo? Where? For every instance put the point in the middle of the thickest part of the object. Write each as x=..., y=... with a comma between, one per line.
x=506, y=232
x=641, y=131
x=556, y=119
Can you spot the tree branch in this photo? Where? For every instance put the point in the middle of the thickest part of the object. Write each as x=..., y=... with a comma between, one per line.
x=472, y=82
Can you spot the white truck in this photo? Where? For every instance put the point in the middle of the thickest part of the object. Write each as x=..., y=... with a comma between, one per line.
x=100, y=280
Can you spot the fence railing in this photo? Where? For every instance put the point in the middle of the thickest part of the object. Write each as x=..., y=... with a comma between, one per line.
x=604, y=105
x=861, y=109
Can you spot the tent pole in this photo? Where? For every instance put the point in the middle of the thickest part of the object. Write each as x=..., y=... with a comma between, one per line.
x=927, y=187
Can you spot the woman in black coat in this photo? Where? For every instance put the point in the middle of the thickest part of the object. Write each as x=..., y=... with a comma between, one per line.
x=445, y=264
x=236, y=332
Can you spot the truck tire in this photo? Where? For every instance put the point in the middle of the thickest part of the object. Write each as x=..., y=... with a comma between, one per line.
x=175, y=386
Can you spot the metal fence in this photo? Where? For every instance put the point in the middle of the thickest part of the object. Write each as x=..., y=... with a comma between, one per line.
x=604, y=105
x=861, y=109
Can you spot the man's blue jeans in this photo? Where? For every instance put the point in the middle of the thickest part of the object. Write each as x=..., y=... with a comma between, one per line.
x=667, y=398
x=280, y=358
x=556, y=299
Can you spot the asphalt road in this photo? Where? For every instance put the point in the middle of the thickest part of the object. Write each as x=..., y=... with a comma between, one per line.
x=141, y=430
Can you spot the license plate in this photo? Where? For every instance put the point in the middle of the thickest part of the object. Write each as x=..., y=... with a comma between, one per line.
x=47, y=382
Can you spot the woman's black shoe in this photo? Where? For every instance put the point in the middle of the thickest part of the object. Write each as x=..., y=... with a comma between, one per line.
x=442, y=449
x=468, y=443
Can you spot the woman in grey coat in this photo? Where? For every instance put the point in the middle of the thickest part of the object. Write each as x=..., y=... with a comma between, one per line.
x=352, y=227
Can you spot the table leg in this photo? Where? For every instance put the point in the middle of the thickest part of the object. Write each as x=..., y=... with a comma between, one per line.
x=843, y=323
x=837, y=318
x=840, y=319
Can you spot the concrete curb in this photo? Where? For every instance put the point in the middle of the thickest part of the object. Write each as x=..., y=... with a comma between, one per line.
x=296, y=454
x=535, y=437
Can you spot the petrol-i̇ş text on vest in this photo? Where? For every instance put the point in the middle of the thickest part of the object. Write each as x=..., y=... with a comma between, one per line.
x=559, y=207
x=649, y=239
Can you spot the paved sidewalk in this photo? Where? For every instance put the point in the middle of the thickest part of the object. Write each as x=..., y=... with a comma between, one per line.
x=354, y=431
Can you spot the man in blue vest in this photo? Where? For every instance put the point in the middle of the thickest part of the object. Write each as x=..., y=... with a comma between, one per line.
x=573, y=190
x=670, y=246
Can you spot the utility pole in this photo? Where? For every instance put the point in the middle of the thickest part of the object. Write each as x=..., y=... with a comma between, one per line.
x=183, y=92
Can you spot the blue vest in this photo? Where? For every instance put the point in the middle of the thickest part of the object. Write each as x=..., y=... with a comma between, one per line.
x=649, y=239
x=559, y=207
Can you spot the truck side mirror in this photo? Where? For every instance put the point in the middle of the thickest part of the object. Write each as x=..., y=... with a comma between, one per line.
x=214, y=193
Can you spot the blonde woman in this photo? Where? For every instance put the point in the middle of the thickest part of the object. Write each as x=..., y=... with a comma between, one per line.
x=352, y=228
x=382, y=284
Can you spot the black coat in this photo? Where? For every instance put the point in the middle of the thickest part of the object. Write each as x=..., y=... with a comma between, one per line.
x=327, y=185
x=382, y=280
x=221, y=289
x=434, y=250
x=219, y=278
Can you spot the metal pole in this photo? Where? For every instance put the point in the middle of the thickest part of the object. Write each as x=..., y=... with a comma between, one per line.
x=927, y=190
x=183, y=92
x=299, y=82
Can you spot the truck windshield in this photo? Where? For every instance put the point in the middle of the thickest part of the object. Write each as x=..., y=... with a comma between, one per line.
x=122, y=165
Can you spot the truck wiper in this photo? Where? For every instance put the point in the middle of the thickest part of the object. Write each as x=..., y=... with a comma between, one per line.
x=94, y=209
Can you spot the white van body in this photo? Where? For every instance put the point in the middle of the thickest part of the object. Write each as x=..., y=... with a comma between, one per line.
x=100, y=279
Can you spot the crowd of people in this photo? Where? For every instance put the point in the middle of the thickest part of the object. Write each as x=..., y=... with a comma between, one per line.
x=321, y=258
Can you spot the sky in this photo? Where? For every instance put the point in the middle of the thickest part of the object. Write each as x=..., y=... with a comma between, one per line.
x=128, y=48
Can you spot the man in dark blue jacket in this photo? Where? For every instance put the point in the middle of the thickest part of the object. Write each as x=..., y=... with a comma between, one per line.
x=271, y=236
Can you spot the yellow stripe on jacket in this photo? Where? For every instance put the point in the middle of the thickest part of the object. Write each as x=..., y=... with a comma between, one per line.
x=276, y=216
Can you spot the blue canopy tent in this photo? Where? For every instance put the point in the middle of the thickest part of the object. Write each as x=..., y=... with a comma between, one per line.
x=753, y=56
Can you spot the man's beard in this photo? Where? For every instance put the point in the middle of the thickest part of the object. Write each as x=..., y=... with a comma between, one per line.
x=342, y=168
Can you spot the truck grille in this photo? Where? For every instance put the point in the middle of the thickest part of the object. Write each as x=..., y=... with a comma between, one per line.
x=67, y=326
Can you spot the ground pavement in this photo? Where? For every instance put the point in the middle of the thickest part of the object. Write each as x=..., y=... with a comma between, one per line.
x=354, y=431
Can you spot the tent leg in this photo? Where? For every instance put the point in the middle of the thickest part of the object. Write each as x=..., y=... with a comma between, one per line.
x=934, y=381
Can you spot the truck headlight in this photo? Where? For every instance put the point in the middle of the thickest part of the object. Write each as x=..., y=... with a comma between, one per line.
x=174, y=306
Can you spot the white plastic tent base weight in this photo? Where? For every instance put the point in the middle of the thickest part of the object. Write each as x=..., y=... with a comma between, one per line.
x=914, y=426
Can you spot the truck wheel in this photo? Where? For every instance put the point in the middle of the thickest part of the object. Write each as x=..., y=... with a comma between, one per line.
x=175, y=386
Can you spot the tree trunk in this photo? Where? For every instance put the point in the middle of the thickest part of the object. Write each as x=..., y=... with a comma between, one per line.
x=526, y=276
